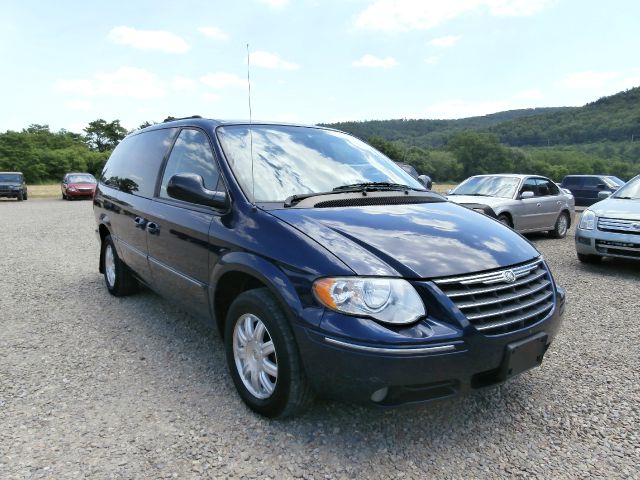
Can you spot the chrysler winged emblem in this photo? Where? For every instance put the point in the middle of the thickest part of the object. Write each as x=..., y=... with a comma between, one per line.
x=509, y=276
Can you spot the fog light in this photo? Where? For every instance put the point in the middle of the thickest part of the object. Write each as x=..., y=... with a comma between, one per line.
x=380, y=394
x=584, y=241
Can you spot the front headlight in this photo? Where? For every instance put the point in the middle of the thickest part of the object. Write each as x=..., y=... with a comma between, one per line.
x=389, y=300
x=588, y=220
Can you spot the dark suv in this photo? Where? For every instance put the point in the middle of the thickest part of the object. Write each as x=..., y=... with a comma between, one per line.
x=325, y=266
x=585, y=188
x=12, y=185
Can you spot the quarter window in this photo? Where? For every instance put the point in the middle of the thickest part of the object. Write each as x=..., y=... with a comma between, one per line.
x=191, y=154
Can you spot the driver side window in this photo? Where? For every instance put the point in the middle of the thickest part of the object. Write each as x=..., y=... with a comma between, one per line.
x=191, y=154
x=529, y=185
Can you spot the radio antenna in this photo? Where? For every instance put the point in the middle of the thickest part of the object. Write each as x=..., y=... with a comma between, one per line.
x=253, y=181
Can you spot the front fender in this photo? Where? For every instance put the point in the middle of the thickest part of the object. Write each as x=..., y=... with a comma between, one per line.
x=271, y=276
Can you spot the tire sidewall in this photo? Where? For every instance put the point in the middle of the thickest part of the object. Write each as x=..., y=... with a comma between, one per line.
x=556, y=232
x=274, y=320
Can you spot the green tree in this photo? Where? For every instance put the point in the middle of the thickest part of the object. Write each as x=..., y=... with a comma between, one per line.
x=480, y=153
x=102, y=135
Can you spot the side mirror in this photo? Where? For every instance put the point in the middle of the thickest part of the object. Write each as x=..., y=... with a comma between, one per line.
x=603, y=195
x=190, y=188
x=525, y=195
x=426, y=181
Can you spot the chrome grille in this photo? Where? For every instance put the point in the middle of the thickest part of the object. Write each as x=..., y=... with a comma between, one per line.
x=619, y=225
x=504, y=300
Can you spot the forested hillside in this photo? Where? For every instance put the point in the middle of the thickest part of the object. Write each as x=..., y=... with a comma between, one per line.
x=600, y=137
x=432, y=133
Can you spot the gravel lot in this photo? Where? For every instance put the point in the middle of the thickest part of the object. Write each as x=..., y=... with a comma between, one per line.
x=94, y=386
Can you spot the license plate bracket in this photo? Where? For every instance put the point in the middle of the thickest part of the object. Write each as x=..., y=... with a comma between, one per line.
x=523, y=355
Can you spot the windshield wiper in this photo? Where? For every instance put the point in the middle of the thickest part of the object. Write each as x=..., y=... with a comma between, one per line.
x=628, y=198
x=370, y=186
x=355, y=187
x=293, y=199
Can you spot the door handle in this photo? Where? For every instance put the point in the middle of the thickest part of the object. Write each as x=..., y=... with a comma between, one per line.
x=153, y=228
x=140, y=222
x=538, y=204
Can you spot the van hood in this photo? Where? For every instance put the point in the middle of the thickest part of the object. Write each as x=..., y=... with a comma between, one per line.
x=425, y=240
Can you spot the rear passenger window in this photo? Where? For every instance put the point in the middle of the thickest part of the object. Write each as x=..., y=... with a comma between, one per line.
x=546, y=187
x=134, y=164
x=191, y=154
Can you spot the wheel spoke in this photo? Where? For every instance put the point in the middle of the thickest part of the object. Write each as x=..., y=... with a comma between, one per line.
x=255, y=379
x=241, y=335
x=269, y=367
x=268, y=348
x=249, y=327
x=259, y=331
x=241, y=352
x=265, y=382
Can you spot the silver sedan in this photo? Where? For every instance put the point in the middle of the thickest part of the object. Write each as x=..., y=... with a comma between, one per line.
x=611, y=228
x=526, y=203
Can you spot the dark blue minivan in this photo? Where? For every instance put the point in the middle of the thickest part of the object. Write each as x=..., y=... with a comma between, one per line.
x=326, y=267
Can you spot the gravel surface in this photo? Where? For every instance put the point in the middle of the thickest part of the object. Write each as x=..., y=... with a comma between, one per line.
x=94, y=386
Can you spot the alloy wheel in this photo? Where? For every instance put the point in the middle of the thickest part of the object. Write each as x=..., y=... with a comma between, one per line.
x=255, y=356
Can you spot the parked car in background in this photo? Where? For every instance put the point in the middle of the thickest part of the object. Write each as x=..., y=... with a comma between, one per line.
x=325, y=266
x=78, y=185
x=611, y=227
x=526, y=203
x=12, y=185
x=585, y=188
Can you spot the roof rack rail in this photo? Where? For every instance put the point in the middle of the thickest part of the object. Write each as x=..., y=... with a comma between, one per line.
x=171, y=119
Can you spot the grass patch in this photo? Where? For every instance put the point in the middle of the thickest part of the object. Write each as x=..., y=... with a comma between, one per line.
x=48, y=190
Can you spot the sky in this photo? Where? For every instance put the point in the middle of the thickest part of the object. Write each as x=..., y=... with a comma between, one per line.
x=66, y=63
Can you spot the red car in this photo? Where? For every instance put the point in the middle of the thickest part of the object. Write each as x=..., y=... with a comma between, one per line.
x=78, y=185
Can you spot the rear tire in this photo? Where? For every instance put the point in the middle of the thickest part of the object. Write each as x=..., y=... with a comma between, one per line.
x=263, y=357
x=586, y=258
x=561, y=227
x=117, y=276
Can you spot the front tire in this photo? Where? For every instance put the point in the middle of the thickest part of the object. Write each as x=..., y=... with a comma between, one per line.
x=505, y=220
x=561, y=227
x=117, y=276
x=263, y=357
x=26, y=196
x=20, y=197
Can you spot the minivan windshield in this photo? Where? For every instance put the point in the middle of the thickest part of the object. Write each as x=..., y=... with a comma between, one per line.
x=488, y=186
x=10, y=178
x=290, y=160
x=631, y=191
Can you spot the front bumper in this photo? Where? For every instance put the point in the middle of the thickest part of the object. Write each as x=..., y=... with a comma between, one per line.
x=80, y=194
x=597, y=242
x=454, y=361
